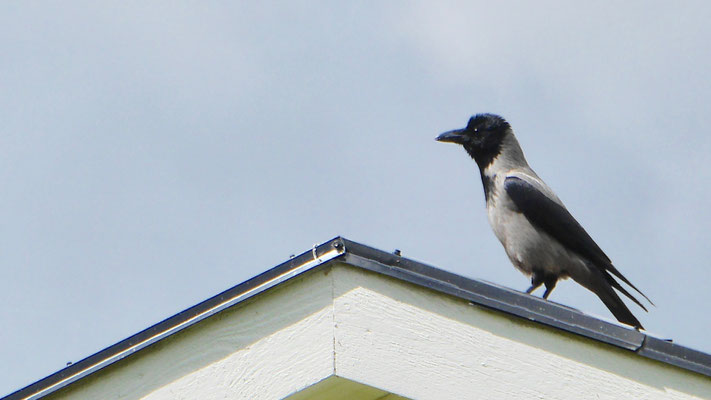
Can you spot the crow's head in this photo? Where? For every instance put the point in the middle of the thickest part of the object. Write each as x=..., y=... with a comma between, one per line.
x=482, y=138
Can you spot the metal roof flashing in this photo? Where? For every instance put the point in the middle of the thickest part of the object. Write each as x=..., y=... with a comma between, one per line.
x=477, y=292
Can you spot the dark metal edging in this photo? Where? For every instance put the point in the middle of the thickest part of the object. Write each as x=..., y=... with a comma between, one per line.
x=317, y=256
x=526, y=306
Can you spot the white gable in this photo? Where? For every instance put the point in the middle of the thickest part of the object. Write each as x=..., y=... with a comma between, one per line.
x=343, y=332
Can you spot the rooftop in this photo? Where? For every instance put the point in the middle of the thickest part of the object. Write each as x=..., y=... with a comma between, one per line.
x=344, y=251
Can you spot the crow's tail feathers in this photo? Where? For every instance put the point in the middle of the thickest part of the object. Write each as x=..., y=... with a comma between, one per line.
x=611, y=268
x=602, y=285
x=617, y=307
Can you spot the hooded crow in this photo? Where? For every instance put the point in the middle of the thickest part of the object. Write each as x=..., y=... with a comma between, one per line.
x=539, y=235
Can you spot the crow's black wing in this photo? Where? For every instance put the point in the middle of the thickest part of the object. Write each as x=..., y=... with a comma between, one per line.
x=556, y=221
x=553, y=219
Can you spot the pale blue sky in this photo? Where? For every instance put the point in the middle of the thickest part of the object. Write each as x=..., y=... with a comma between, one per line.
x=154, y=155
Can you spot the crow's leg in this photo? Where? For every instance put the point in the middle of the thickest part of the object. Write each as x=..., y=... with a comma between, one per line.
x=536, y=281
x=550, y=282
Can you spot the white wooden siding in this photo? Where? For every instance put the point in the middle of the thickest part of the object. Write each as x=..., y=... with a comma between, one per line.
x=380, y=335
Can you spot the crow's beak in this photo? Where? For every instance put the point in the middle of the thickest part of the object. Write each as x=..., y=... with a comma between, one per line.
x=455, y=136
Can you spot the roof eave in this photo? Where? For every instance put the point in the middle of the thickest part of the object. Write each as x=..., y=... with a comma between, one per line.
x=477, y=292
